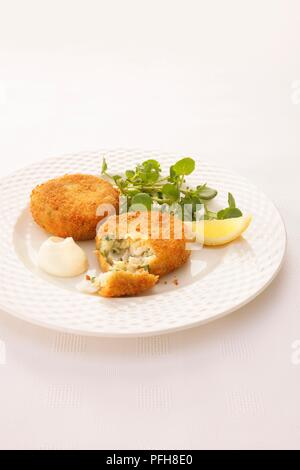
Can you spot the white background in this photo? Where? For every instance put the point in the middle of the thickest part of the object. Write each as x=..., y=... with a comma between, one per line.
x=211, y=78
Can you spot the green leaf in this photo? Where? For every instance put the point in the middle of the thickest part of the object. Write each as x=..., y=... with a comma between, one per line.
x=172, y=172
x=117, y=178
x=104, y=166
x=153, y=164
x=231, y=201
x=148, y=172
x=229, y=213
x=209, y=215
x=129, y=174
x=206, y=193
x=185, y=166
x=141, y=201
x=171, y=191
x=152, y=177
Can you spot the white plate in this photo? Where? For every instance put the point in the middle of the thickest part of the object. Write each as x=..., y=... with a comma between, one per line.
x=215, y=282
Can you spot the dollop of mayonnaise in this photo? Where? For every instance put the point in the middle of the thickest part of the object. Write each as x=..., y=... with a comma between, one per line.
x=62, y=257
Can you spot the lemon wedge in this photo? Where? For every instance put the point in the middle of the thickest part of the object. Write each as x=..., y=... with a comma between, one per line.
x=219, y=232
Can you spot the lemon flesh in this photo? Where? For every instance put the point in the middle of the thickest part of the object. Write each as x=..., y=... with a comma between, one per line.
x=220, y=232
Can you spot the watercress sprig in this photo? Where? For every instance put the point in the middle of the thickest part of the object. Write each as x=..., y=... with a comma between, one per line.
x=145, y=186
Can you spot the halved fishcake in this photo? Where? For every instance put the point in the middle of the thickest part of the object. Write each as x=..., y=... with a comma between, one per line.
x=158, y=256
x=124, y=283
x=117, y=283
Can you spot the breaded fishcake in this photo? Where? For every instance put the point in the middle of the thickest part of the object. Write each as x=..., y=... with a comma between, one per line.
x=66, y=206
x=124, y=283
x=159, y=249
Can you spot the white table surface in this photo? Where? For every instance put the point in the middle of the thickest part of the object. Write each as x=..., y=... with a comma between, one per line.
x=216, y=79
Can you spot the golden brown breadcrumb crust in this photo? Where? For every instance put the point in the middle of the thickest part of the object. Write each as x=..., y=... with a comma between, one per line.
x=170, y=254
x=66, y=206
x=124, y=283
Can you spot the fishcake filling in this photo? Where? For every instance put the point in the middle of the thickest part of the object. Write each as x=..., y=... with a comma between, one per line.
x=126, y=254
